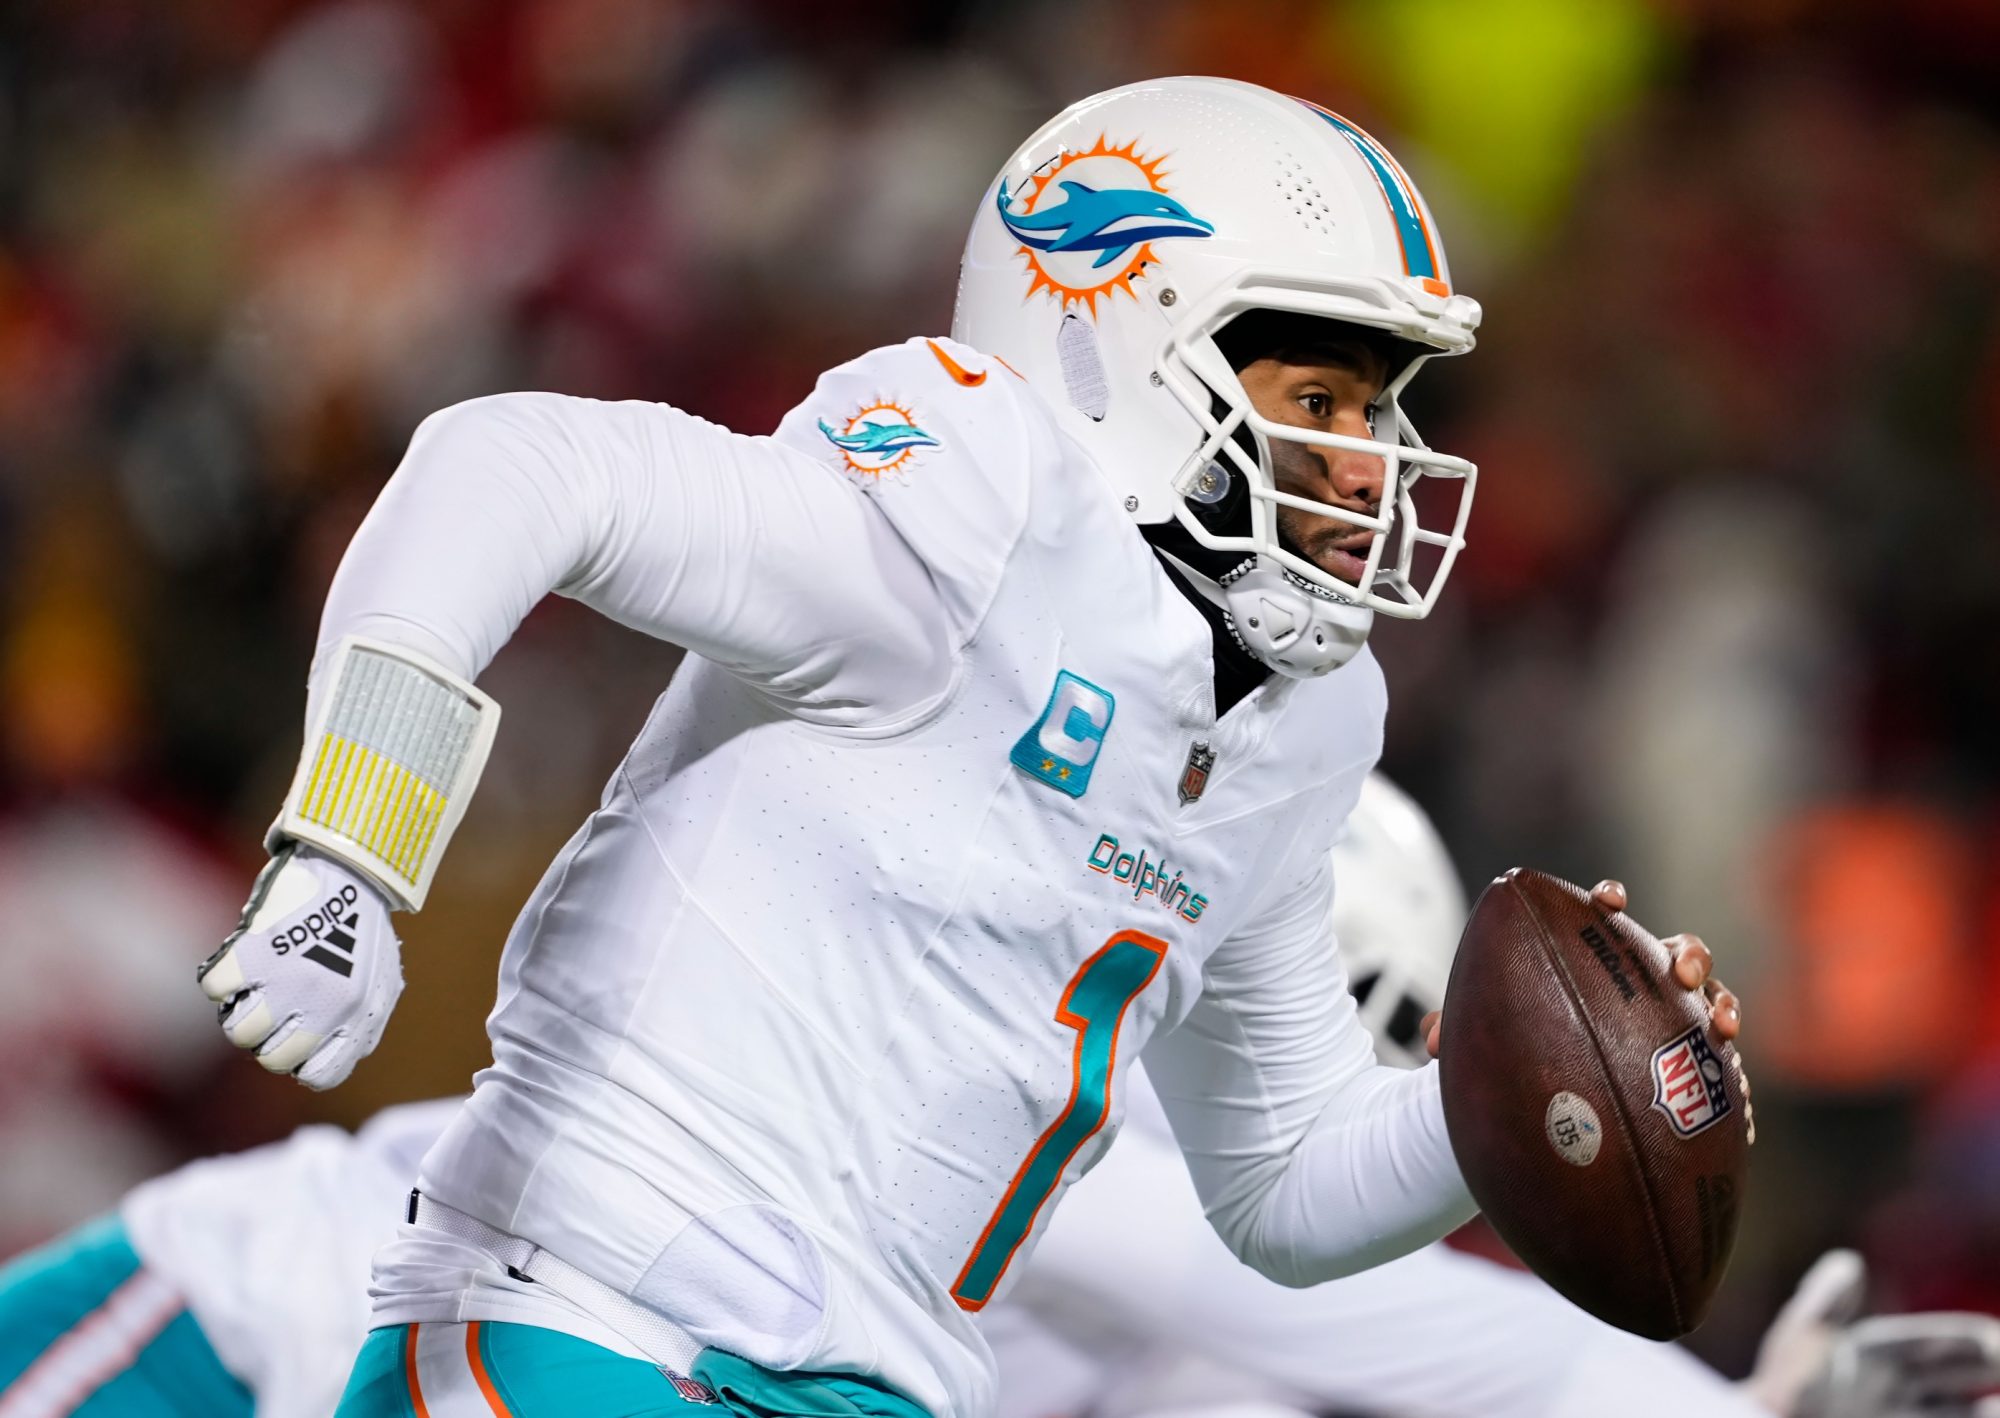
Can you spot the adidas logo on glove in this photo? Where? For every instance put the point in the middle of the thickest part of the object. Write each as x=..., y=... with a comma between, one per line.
x=331, y=925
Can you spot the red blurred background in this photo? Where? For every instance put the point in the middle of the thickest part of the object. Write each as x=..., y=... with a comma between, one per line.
x=1726, y=625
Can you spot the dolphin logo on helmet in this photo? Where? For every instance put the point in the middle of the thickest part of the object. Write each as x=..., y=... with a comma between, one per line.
x=1110, y=222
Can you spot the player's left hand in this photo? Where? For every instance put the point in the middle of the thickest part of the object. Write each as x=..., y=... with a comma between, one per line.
x=1692, y=962
x=1818, y=1361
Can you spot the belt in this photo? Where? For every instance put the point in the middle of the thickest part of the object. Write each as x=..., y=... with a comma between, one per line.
x=655, y=1336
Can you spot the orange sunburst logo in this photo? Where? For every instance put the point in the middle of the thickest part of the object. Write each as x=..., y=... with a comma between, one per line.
x=1087, y=221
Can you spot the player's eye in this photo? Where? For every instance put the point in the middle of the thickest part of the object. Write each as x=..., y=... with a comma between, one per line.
x=1318, y=405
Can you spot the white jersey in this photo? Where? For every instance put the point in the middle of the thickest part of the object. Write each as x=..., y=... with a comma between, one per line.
x=270, y=1248
x=810, y=1024
x=1133, y=1306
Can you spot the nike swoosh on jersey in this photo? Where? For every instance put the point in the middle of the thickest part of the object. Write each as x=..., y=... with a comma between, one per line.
x=955, y=369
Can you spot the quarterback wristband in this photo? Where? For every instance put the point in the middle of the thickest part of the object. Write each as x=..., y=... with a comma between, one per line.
x=389, y=765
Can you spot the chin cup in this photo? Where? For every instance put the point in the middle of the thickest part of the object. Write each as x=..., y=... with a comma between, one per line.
x=1297, y=632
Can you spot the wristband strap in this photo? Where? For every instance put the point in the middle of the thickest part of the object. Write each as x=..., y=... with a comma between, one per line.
x=389, y=768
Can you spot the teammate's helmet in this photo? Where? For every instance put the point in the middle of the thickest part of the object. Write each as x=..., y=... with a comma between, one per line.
x=1397, y=913
x=1136, y=225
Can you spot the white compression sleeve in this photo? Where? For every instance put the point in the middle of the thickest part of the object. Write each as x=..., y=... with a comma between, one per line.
x=681, y=529
x=1312, y=1161
x=715, y=541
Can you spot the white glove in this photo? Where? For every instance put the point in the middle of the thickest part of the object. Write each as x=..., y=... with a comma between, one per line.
x=309, y=975
x=1817, y=1362
x=1938, y=1364
x=1795, y=1349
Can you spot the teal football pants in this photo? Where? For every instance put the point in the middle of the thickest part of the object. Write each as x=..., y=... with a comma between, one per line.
x=86, y=1329
x=489, y=1369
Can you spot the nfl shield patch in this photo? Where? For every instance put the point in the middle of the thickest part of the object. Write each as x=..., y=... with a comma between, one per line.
x=1688, y=1085
x=1194, y=777
x=690, y=1390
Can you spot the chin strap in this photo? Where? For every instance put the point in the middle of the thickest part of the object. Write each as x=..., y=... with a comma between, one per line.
x=1278, y=620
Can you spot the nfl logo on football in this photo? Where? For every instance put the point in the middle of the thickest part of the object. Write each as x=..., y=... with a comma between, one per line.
x=1687, y=1083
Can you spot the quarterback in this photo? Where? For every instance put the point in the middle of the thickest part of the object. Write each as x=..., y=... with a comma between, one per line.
x=1027, y=691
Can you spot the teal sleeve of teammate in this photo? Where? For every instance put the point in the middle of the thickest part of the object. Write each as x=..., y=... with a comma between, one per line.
x=87, y=1330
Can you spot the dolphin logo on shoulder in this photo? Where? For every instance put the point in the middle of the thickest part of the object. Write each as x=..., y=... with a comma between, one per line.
x=878, y=439
x=1110, y=221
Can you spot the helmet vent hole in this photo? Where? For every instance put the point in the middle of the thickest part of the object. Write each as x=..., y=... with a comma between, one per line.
x=1308, y=203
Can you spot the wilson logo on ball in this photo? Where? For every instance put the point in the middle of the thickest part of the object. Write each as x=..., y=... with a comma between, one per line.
x=1687, y=1083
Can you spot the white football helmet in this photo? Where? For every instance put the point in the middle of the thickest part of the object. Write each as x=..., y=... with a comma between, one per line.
x=1397, y=913
x=1138, y=223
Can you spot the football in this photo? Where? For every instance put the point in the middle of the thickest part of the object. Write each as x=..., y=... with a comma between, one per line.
x=1598, y=1119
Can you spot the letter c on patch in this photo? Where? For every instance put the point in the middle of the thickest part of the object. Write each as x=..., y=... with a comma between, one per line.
x=1073, y=728
x=1061, y=747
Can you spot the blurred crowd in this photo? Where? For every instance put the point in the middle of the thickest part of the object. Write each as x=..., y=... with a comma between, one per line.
x=1727, y=623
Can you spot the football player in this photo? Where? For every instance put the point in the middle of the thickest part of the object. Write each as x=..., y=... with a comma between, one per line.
x=1026, y=694
x=256, y=1267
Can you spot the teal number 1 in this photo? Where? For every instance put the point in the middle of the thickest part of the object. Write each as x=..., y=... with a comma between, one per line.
x=1094, y=1005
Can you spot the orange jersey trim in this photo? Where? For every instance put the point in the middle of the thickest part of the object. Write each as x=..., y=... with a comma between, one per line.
x=410, y=1372
x=956, y=370
x=472, y=1357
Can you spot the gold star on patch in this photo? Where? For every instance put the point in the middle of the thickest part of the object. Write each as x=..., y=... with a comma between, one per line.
x=1048, y=765
x=1062, y=773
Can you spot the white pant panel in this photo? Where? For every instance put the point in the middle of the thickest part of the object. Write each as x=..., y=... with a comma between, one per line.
x=444, y=1376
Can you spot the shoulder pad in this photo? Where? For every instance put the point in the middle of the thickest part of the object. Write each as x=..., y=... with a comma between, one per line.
x=933, y=432
x=883, y=415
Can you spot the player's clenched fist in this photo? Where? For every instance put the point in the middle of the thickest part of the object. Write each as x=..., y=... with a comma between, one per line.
x=309, y=975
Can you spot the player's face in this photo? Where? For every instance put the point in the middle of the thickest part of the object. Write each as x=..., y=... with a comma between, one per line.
x=1330, y=388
